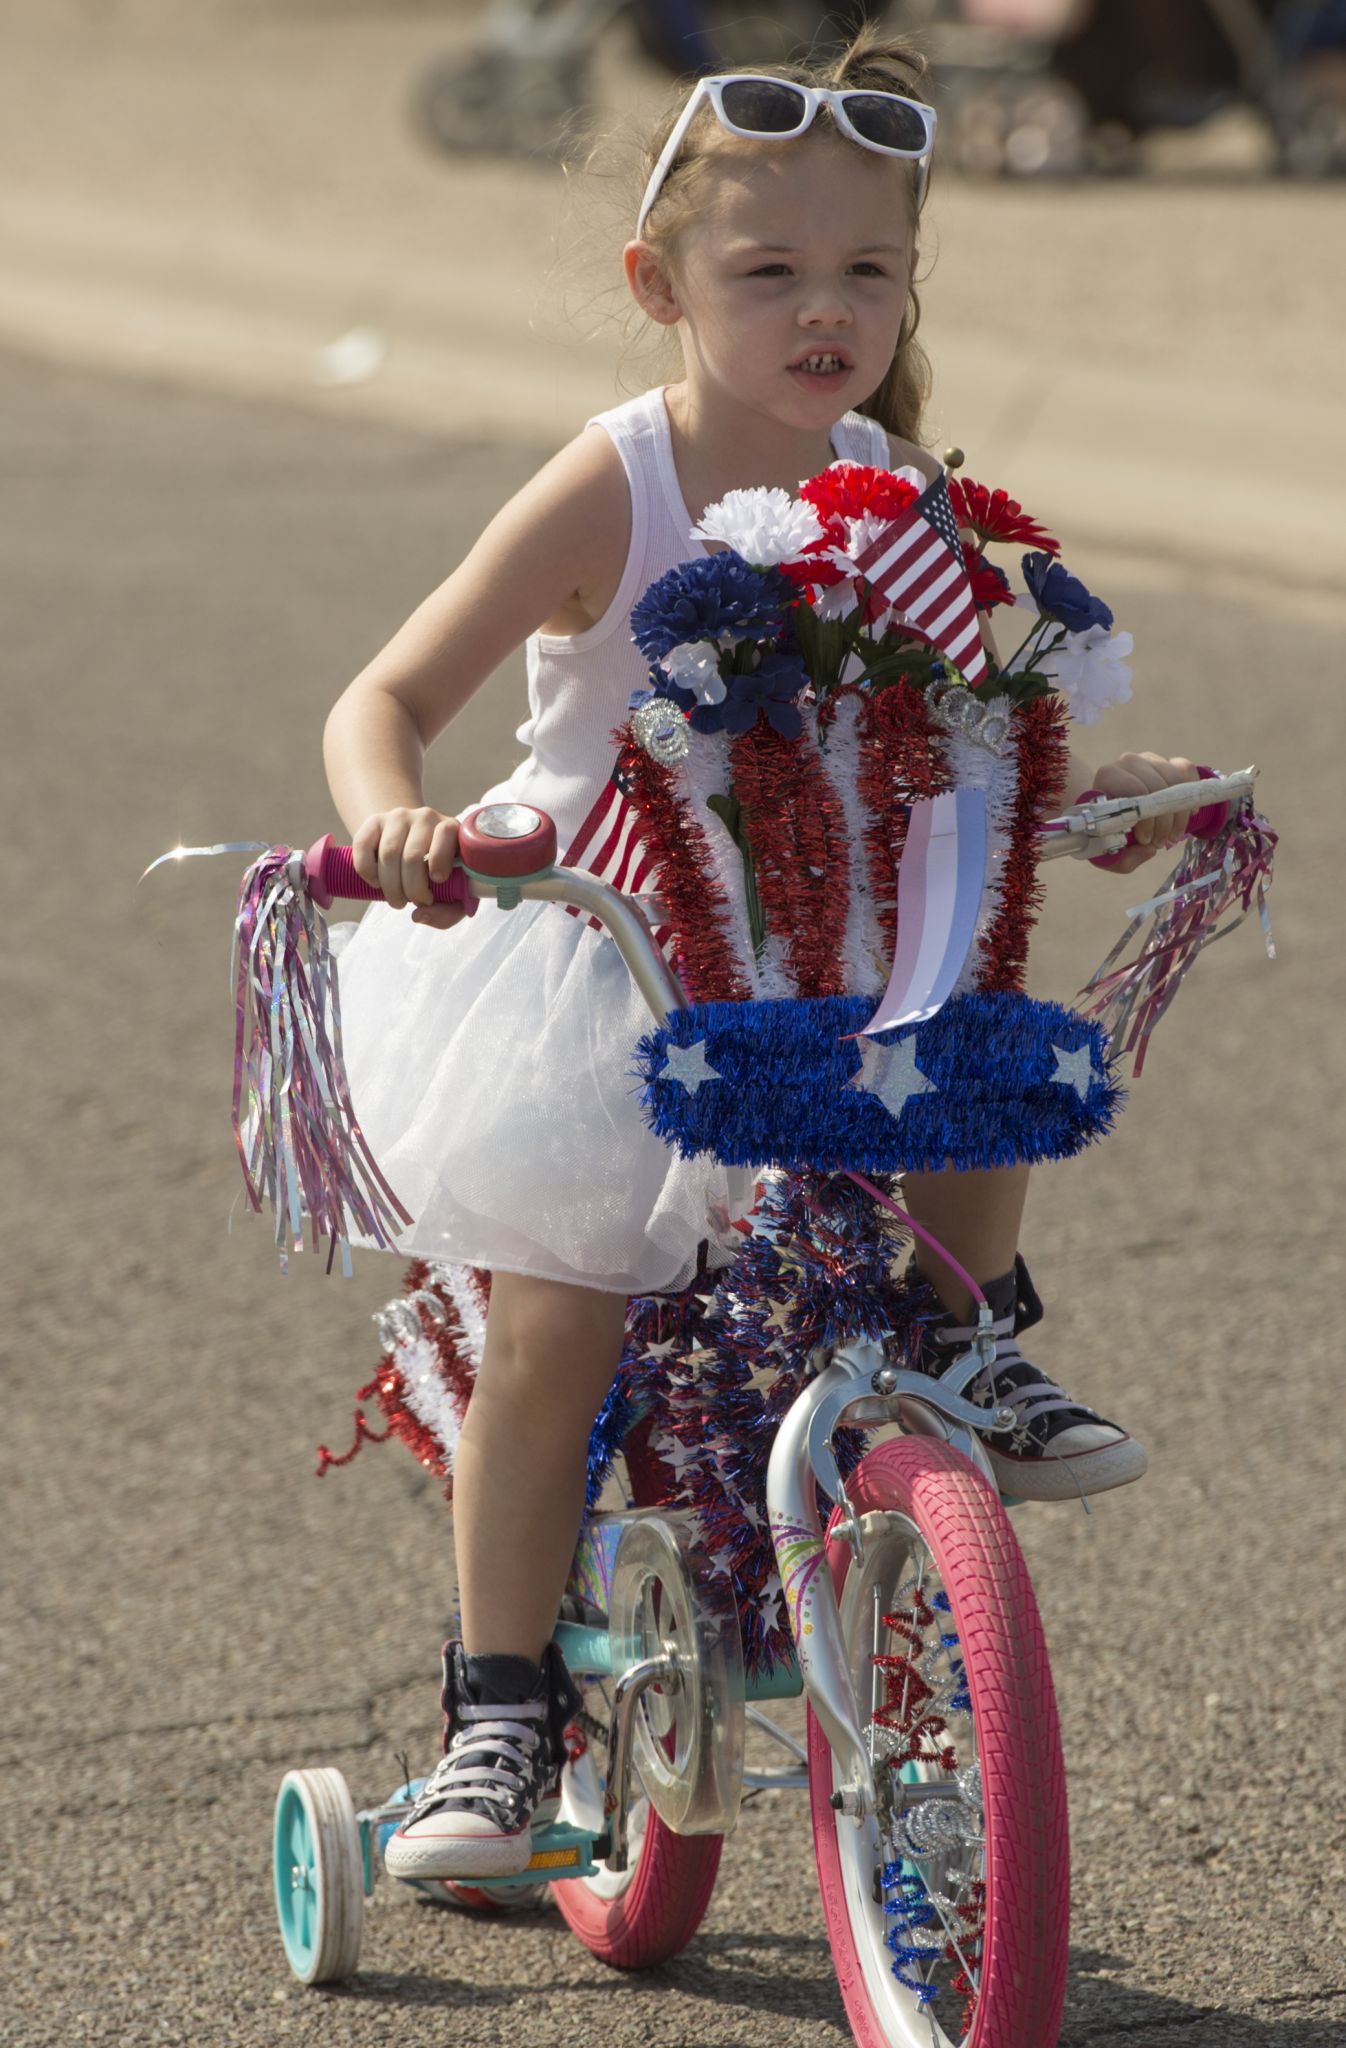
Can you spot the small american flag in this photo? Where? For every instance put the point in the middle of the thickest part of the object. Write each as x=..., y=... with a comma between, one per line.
x=609, y=845
x=917, y=564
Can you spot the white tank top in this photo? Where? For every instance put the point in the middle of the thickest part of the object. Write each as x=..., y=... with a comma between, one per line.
x=579, y=684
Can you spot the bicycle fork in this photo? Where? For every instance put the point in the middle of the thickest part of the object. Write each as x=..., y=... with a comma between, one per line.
x=857, y=1388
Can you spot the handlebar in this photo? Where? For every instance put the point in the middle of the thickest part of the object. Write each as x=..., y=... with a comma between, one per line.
x=508, y=854
x=1097, y=827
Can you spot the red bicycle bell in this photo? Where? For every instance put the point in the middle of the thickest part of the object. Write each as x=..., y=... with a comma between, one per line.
x=507, y=842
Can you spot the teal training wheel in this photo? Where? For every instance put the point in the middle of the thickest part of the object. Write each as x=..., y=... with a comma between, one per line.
x=319, y=1875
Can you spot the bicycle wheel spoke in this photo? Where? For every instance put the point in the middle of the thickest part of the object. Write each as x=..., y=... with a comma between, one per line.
x=932, y=1882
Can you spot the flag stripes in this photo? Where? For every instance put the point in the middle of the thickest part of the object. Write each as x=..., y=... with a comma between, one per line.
x=609, y=846
x=917, y=564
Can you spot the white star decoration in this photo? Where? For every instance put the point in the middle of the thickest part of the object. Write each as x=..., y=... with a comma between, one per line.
x=1075, y=1069
x=689, y=1065
x=681, y=1457
x=891, y=1073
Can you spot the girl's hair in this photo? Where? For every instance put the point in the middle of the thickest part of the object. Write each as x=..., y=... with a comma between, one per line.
x=881, y=63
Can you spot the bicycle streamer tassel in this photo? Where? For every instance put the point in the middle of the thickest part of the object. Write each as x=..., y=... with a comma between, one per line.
x=1207, y=896
x=301, y=1148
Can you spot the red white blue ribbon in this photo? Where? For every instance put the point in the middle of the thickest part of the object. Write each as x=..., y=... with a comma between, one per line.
x=940, y=879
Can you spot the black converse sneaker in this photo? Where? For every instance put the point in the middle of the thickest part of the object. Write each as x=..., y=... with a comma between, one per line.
x=504, y=1745
x=1058, y=1449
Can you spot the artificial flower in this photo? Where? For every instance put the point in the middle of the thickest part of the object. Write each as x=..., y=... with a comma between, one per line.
x=816, y=569
x=764, y=526
x=990, y=585
x=994, y=515
x=696, y=667
x=1062, y=596
x=1090, y=671
x=716, y=598
x=771, y=687
x=848, y=490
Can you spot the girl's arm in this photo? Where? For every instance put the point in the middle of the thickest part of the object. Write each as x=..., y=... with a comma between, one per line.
x=561, y=537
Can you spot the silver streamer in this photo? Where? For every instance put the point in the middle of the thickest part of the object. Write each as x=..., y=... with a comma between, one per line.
x=969, y=1784
x=396, y=1324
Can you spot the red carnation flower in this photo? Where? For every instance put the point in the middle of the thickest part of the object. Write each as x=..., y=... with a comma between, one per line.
x=990, y=586
x=812, y=570
x=994, y=515
x=850, y=489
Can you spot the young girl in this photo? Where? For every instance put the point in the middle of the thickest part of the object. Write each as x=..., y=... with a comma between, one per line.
x=491, y=1062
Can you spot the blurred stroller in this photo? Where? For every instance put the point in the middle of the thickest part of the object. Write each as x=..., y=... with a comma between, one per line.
x=1026, y=88
x=1063, y=87
x=519, y=87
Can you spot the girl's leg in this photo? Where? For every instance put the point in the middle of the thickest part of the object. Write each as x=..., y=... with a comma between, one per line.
x=518, y=1481
x=1061, y=1450
x=977, y=1216
x=518, y=1492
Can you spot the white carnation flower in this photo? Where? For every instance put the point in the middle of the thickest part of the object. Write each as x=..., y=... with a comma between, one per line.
x=764, y=526
x=696, y=666
x=859, y=534
x=1090, y=671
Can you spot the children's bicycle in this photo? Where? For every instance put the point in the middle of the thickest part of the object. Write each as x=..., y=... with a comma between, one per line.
x=906, y=1615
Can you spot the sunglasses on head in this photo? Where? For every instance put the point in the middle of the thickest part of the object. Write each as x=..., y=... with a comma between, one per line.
x=755, y=104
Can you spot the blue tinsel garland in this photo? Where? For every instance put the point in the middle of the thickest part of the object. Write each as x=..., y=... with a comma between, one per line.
x=769, y=1083
x=716, y=1367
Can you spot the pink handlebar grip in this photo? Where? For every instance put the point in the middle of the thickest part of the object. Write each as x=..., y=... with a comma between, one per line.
x=1203, y=824
x=1211, y=818
x=331, y=874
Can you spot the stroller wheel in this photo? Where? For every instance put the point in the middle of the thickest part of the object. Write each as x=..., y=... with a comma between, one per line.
x=1036, y=128
x=1310, y=117
x=498, y=103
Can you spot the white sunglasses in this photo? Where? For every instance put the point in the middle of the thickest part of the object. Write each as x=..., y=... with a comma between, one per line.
x=754, y=104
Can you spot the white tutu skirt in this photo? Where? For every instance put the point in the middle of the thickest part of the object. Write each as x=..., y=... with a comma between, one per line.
x=490, y=1069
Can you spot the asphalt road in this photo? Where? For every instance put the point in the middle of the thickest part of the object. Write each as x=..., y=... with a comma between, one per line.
x=187, y=581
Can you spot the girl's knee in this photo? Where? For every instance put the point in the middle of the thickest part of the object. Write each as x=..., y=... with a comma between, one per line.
x=551, y=1349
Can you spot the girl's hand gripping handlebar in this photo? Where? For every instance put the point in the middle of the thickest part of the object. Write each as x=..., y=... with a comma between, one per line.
x=508, y=852
x=497, y=843
x=1098, y=828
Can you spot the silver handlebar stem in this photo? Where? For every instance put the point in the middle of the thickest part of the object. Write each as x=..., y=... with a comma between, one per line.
x=623, y=920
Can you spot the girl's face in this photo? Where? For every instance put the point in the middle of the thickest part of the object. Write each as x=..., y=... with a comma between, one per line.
x=804, y=251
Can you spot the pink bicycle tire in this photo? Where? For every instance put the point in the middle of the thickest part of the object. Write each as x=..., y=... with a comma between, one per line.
x=655, y=1915
x=966, y=1529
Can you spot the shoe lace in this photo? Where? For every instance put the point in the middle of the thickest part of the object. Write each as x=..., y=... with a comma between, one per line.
x=1028, y=1391
x=490, y=1757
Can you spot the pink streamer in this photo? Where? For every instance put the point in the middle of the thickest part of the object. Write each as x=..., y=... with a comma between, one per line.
x=306, y=1153
x=1216, y=878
